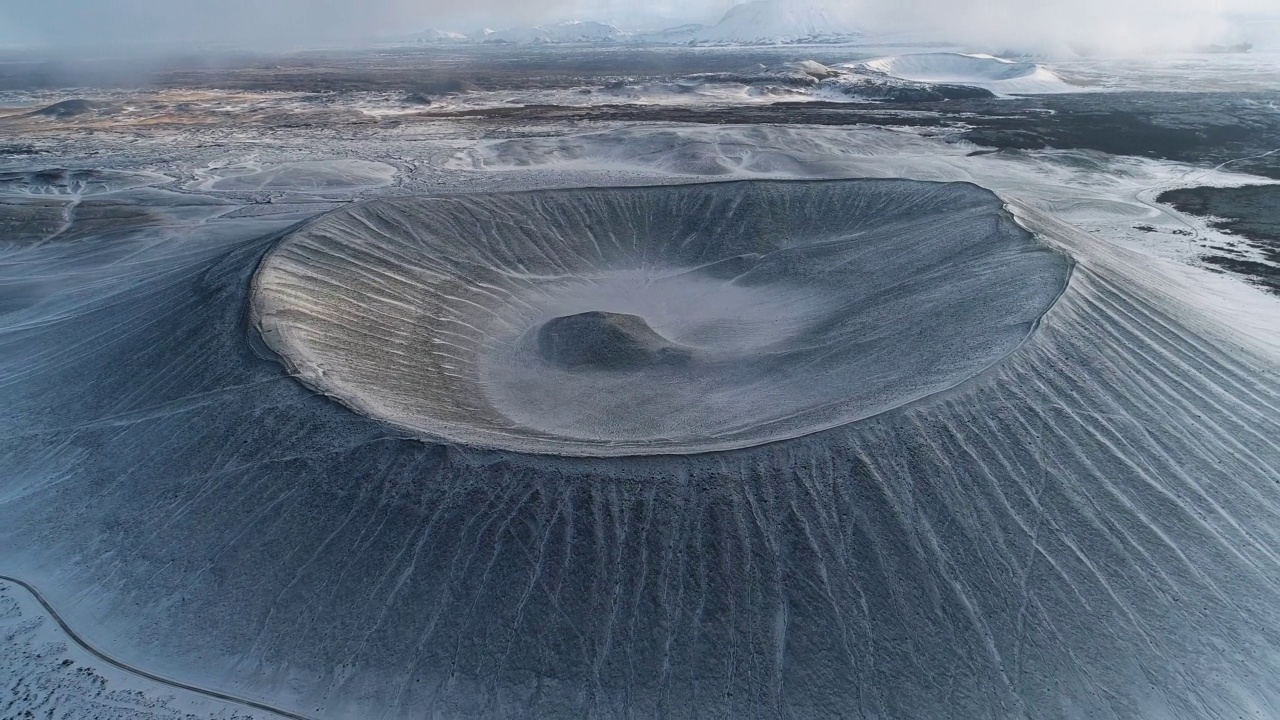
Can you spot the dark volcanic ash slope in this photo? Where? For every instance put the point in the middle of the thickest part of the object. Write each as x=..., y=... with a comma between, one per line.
x=1087, y=529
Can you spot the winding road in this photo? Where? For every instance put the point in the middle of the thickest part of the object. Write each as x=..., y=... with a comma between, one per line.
x=214, y=694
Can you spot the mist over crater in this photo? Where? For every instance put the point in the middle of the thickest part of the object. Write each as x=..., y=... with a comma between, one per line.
x=657, y=320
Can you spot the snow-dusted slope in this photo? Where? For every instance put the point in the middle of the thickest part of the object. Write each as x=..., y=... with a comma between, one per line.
x=987, y=71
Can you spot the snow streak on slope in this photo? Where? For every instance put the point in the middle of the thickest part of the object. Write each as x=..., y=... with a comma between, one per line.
x=985, y=71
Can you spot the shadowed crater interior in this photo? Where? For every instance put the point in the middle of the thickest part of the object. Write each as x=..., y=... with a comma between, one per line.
x=653, y=320
x=605, y=341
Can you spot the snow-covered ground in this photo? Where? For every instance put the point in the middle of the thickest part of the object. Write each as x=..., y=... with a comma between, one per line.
x=340, y=177
x=986, y=71
x=1104, y=194
x=773, y=82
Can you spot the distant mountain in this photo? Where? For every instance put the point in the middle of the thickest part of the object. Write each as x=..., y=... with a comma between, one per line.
x=437, y=36
x=1242, y=47
x=760, y=22
x=574, y=31
x=765, y=22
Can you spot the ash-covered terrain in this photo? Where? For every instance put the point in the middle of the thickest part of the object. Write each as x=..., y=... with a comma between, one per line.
x=515, y=381
x=784, y=308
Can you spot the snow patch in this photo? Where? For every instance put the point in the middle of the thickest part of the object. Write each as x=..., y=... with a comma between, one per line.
x=978, y=70
x=309, y=177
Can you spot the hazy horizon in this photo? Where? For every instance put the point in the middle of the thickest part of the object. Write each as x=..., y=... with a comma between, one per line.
x=1131, y=26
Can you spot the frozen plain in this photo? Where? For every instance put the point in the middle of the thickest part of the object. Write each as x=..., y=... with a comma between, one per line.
x=1086, y=529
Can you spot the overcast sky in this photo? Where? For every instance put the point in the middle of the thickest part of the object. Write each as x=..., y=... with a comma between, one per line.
x=1024, y=24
